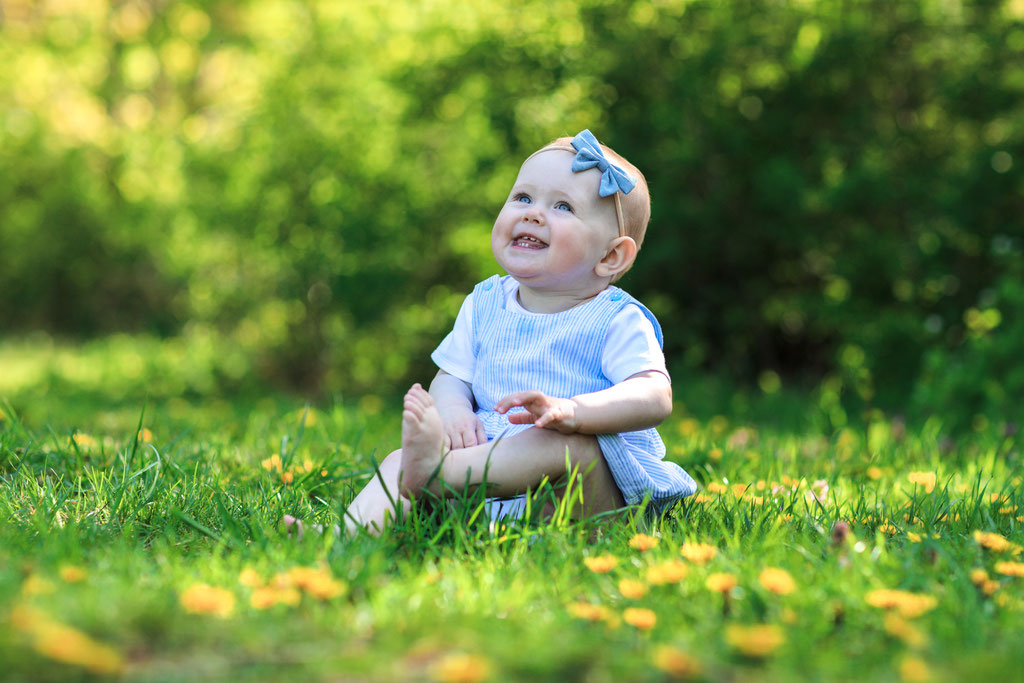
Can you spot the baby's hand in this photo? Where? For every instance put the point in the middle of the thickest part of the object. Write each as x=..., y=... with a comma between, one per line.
x=541, y=411
x=462, y=428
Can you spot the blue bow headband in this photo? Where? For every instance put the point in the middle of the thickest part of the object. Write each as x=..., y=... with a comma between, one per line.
x=589, y=155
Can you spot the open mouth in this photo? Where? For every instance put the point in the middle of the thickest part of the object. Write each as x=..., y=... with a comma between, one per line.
x=528, y=242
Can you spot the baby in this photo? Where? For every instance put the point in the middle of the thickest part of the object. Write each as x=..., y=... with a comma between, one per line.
x=551, y=358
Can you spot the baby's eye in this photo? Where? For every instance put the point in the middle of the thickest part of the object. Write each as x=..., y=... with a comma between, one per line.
x=524, y=198
x=563, y=206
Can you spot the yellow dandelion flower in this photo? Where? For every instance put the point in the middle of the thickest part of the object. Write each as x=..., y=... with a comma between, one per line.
x=643, y=542
x=909, y=605
x=202, y=598
x=715, y=454
x=923, y=479
x=587, y=611
x=1010, y=568
x=263, y=597
x=978, y=576
x=758, y=640
x=688, y=427
x=458, y=667
x=874, y=472
x=720, y=582
x=83, y=440
x=738, y=490
x=327, y=588
x=899, y=627
x=888, y=529
x=777, y=581
x=667, y=572
x=634, y=590
x=698, y=553
x=289, y=596
x=602, y=564
x=715, y=487
x=26, y=618
x=272, y=464
x=316, y=581
x=299, y=576
x=145, y=435
x=913, y=538
x=640, y=617
x=996, y=543
x=675, y=662
x=701, y=498
x=70, y=646
x=913, y=669
x=249, y=577
x=37, y=585
x=72, y=574
x=287, y=477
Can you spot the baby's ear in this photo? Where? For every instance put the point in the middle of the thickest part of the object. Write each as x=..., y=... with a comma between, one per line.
x=618, y=259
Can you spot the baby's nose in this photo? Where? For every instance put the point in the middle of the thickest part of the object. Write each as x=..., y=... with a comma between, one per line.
x=533, y=215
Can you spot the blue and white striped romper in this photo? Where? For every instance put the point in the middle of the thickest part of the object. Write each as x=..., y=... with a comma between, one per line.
x=560, y=355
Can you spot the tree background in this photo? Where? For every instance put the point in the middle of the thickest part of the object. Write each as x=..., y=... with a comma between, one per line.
x=298, y=193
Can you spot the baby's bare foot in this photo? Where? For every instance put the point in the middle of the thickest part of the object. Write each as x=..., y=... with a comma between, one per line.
x=422, y=441
x=293, y=525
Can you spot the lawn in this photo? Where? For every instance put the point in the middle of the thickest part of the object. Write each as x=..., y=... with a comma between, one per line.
x=141, y=538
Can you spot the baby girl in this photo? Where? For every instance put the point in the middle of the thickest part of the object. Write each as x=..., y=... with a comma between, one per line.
x=550, y=365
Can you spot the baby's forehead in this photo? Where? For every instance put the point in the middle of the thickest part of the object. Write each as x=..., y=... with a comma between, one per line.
x=552, y=167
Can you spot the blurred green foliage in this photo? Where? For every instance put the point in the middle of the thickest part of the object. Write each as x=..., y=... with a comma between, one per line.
x=307, y=186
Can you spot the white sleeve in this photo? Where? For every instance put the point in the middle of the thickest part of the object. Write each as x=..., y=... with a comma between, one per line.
x=631, y=346
x=455, y=353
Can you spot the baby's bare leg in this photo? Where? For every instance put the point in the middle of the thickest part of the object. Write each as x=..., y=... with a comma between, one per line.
x=374, y=506
x=511, y=465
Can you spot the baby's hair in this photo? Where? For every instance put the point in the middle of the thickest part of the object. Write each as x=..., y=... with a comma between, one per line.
x=636, y=206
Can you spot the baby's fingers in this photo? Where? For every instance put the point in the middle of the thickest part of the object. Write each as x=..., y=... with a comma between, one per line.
x=521, y=418
x=514, y=400
x=469, y=438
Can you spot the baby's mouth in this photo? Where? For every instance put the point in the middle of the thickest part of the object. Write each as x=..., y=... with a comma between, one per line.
x=528, y=242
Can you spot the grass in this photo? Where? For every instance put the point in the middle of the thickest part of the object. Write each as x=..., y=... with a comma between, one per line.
x=142, y=540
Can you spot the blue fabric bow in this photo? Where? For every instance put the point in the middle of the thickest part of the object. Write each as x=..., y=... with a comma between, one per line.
x=589, y=155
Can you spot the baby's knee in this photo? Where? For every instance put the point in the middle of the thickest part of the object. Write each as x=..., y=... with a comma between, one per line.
x=583, y=450
x=390, y=466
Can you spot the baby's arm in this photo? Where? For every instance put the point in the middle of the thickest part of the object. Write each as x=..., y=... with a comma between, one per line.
x=638, y=402
x=454, y=400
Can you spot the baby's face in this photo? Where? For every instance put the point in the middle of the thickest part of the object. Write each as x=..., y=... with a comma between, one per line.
x=554, y=228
